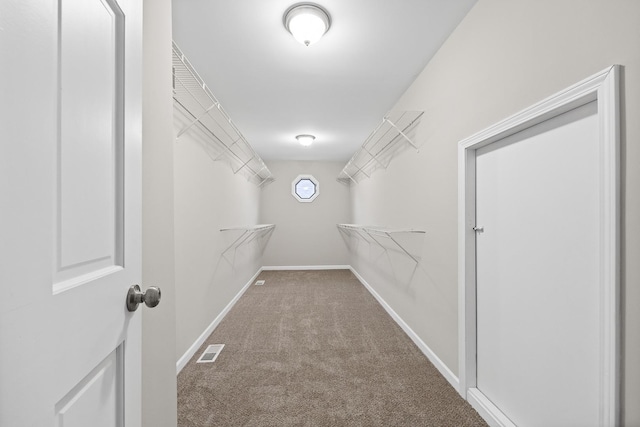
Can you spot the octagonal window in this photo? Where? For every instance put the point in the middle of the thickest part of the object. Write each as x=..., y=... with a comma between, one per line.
x=305, y=188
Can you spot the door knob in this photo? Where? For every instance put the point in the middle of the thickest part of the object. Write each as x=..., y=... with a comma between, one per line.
x=151, y=297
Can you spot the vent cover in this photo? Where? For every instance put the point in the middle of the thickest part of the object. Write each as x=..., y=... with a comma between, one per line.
x=211, y=353
x=260, y=282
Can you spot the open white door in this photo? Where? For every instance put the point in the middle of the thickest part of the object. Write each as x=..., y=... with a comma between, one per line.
x=70, y=212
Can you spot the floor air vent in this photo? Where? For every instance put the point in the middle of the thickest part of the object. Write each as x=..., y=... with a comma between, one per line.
x=211, y=353
x=260, y=282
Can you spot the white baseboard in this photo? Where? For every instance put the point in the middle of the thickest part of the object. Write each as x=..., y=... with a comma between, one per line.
x=306, y=267
x=439, y=364
x=182, y=362
x=487, y=410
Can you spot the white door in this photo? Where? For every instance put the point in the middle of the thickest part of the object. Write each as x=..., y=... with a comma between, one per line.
x=69, y=212
x=538, y=272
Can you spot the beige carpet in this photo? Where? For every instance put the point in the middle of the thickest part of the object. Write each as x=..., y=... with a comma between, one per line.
x=314, y=348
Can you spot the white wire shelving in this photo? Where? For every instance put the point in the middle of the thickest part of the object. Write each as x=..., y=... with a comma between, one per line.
x=375, y=234
x=381, y=145
x=248, y=234
x=205, y=116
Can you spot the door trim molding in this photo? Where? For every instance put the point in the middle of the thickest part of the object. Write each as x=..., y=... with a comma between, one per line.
x=487, y=410
x=603, y=88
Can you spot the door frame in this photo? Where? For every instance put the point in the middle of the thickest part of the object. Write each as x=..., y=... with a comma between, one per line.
x=603, y=88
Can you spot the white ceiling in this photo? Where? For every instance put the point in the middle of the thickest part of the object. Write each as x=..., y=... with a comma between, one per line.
x=338, y=89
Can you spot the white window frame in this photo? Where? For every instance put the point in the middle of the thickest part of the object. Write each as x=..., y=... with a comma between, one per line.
x=300, y=178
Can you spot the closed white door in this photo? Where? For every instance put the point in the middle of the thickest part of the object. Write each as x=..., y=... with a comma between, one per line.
x=69, y=212
x=538, y=272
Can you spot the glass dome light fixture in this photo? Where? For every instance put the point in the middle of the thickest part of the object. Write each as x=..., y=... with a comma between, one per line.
x=307, y=22
x=305, y=140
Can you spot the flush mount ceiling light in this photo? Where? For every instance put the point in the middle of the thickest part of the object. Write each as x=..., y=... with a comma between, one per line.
x=307, y=22
x=305, y=140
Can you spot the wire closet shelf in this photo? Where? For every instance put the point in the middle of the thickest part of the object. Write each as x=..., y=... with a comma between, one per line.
x=381, y=145
x=204, y=118
x=247, y=234
x=377, y=234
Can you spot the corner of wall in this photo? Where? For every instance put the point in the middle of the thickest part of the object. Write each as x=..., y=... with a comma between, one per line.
x=159, y=392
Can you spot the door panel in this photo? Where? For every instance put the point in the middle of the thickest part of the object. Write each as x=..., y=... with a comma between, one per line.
x=90, y=141
x=70, y=213
x=98, y=397
x=538, y=272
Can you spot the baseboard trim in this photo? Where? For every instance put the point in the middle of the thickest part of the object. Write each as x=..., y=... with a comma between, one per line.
x=439, y=364
x=182, y=362
x=487, y=410
x=305, y=267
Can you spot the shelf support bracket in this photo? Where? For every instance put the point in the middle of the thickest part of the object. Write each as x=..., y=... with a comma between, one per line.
x=196, y=120
x=403, y=134
x=402, y=247
x=374, y=157
x=350, y=177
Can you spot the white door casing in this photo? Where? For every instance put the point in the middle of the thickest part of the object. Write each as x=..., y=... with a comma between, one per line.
x=601, y=89
x=70, y=212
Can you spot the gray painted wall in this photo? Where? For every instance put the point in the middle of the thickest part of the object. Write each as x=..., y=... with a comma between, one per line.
x=504, y=56
x=158, y=324
x=306, y=233
x=208, y=197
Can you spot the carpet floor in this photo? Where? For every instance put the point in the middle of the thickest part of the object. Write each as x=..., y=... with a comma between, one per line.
x=314, y=348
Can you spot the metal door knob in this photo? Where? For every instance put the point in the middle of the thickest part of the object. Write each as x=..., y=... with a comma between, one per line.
x=151, y=297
